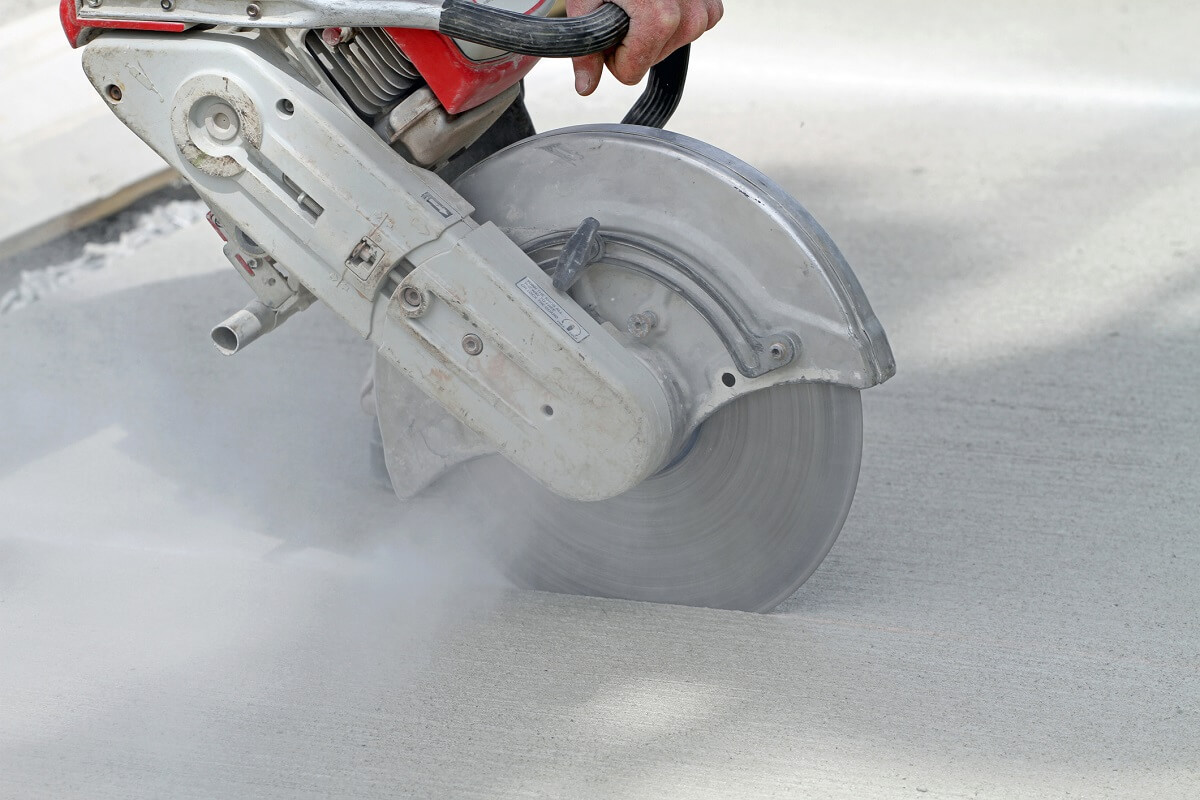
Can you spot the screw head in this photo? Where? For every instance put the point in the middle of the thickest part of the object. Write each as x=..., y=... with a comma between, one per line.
x=253, y=11
x=93, y=3
x=472, y=345
x=778, y=351
x=411, y=297
x=167, y=5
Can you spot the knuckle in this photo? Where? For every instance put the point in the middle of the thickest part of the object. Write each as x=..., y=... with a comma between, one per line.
x=693, y=25
x=716, y=10
x=666, y=18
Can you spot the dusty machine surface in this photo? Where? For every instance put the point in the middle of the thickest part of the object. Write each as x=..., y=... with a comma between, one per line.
x=629, y=345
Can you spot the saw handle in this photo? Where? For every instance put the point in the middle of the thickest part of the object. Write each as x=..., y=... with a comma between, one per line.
x=561, y=37
x=569, y=37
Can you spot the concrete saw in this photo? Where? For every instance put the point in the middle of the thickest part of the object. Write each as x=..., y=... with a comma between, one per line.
x=758, y=489
x=627, y=346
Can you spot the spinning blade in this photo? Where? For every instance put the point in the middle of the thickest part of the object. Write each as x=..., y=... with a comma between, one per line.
x=739, y=522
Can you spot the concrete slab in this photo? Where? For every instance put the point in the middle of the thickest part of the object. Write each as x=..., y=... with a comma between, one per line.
x=64, y=159
x=201, y=594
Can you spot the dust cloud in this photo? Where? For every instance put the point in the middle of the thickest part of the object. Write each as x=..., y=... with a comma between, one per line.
x=217, y=519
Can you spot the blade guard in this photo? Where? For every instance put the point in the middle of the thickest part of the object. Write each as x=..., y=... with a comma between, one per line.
x=748, y=250
x=740, y=239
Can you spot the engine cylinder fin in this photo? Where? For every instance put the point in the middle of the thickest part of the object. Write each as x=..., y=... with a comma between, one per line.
x=364, y=61
x=369, y=70
x=387, y=57
x=338, y=72
x=361, y=78
x=387, y=51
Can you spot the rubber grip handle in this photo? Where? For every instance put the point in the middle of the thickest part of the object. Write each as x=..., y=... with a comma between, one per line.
x=664, y=90
x=528, y=35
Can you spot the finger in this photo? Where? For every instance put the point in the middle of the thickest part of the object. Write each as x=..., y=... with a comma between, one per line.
x=588, y=70
x=652, y=28
x=693, y=22
x=716, y=10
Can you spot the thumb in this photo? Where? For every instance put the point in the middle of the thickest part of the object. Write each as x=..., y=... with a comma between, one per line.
x=587, y=72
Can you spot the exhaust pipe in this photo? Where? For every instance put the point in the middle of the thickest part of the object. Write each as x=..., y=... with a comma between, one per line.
x=256, y=319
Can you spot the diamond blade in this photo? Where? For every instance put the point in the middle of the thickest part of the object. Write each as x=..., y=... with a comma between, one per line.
x=739, y=522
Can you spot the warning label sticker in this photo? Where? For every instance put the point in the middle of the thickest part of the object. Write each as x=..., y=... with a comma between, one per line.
x=552, y=309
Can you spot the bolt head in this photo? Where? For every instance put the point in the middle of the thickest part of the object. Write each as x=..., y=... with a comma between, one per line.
x=93, y=3
x=332, y=37
x=472, y=345
x=253, y=11
x=411, y=297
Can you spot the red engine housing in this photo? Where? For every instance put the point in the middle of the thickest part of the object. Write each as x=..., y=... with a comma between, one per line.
x=459, y=83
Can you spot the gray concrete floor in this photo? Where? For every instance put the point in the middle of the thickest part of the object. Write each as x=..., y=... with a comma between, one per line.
x=203, y=595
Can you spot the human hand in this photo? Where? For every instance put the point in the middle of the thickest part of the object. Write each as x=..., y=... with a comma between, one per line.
x=657, y=28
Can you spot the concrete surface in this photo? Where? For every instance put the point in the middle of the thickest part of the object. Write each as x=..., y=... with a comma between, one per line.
x=202, y=594
x=65, y=159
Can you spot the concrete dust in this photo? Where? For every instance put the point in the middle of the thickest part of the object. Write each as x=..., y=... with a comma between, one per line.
x=218, y=506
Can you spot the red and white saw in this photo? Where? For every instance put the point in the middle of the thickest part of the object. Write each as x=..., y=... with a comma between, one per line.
x=629, y=345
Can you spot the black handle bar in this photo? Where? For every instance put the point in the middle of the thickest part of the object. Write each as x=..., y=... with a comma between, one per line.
x=596, y=32
x=535, y=36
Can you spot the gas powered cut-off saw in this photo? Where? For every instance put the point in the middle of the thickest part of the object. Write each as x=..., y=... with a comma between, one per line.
x=641, y=351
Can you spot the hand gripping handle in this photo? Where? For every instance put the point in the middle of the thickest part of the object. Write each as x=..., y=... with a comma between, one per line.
x=596, y=32
x=563, y=37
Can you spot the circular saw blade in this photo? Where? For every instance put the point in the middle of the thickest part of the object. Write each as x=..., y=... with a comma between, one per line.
x=739, y=522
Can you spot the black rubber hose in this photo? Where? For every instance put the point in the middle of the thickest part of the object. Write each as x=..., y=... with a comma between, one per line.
x=664, y=90
x=511, y=32
x=596, y=32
